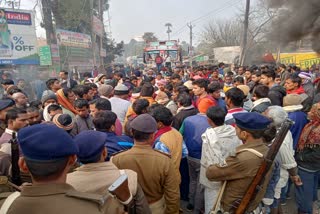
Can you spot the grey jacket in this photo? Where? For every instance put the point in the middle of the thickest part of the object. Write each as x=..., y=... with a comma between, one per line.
x=81, y=124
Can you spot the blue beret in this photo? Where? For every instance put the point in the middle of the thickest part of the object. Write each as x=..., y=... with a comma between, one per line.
x=5, y=103
x=144, y=123
x=90, y=143
x=44, y=142
x=251, y=121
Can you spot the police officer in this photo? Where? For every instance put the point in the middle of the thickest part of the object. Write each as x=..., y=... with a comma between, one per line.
x=95, y=175
x=155, y=169
x=5, y=105
x=48, y=154
x=241, y=168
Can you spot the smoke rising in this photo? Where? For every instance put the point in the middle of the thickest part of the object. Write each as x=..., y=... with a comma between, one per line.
x=296, y=19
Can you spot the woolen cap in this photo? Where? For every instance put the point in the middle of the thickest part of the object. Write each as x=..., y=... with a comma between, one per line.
x=63, y=121
x=5, y=103
x=162, y=98
x=161, y=82
x=144, y=123
x=48, y=96
x=305, y=75
x=105, y=90
x=46, y=142
x=121, y=89
x=251, y=121
x=90, y=144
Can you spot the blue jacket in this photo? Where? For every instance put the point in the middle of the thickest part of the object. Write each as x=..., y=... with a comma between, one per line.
x=222, y=104
x=300, y=120
x=116, y=143
x=192, y=129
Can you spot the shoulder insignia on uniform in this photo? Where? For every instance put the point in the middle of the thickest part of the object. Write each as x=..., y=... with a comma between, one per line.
x=100, y=199
x=166, y=154
x=116, y=153
x=253, y=151
x=3, y=179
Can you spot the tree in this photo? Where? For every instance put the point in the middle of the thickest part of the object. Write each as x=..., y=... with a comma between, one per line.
x=219, y=34
x=73, y=15
x=112, y=48
x=149, y=37
x=134, y=48
x=260, y=21
x=229, y=32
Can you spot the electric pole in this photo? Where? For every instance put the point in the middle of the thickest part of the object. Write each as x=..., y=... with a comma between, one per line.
x=190, y=26
x=169, y=26
x=101, y=36
x=245, y=34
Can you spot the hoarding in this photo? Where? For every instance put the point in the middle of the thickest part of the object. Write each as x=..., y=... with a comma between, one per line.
x=97, y=26
x=18, y=37
x=303, y=60
x=73, y=39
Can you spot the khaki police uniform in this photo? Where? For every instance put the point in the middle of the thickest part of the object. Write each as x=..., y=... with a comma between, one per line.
x=59, y=198
x=239, y=172
x=156, y=175
x=97, y=177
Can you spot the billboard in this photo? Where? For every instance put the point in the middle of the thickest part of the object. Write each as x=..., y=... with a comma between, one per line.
x=17, y=37
x=97, y=26
x=73, y=39
x=303, y=60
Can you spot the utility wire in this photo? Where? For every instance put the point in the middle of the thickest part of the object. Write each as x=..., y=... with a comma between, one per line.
x=199, y=19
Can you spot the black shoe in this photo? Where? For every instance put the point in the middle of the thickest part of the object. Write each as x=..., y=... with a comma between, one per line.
x=190, y=207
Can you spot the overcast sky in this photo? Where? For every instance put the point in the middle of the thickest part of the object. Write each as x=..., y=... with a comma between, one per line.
x=130, y=19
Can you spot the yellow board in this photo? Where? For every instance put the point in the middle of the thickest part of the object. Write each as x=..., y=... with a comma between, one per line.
x=303, y=60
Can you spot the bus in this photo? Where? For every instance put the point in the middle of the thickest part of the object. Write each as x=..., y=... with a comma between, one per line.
x=164, y=48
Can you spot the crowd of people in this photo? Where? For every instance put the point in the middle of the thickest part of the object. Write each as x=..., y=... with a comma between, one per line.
x=178, y=134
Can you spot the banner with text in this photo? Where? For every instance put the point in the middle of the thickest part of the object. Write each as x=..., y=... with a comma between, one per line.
x=18, y=37
x=73, y=39
x=97, y=26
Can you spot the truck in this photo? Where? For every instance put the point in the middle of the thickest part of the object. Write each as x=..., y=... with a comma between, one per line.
x=228, y=55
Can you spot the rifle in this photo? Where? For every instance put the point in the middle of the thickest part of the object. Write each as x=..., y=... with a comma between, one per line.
x=15, y=170
x=120, y=190
x=241, y=207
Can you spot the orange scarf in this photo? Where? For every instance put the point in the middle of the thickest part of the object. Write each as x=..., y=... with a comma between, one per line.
x=64, y=102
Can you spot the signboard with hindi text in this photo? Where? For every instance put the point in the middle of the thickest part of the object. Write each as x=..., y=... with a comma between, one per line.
x=45, y=55
x=73, y=39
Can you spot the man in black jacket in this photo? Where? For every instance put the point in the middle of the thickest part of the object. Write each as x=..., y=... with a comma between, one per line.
x=185, y=110
x=276, y=92
x=66, y=81
x=260, y=99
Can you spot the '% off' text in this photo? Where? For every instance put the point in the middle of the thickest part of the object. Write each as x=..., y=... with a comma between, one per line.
x=19, y=44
